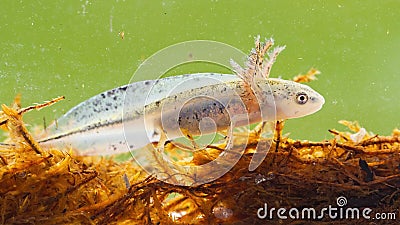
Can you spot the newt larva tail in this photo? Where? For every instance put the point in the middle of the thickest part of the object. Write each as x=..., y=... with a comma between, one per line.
x=94, y=127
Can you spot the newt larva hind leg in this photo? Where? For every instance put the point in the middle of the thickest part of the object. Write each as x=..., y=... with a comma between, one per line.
x=187, y=134
x=162, y=142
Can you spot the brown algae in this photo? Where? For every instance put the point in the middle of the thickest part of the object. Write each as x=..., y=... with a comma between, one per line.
x=53, y=186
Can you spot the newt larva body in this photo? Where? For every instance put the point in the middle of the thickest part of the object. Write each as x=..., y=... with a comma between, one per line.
x=96, y=125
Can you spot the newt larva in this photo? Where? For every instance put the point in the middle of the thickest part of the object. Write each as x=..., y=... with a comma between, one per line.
x=132, y=116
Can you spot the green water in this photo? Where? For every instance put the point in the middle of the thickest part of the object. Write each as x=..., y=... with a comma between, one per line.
x=73, y=48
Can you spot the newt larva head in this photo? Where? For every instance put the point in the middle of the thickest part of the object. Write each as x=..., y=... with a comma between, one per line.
x=293, y=99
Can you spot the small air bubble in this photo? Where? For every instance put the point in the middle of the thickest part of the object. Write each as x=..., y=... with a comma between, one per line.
x=260, y=178
x=270, y=176
x=222, y=212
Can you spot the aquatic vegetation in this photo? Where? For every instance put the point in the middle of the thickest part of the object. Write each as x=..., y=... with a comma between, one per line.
x=52, y=186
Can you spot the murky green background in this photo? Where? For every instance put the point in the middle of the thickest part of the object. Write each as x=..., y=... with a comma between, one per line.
x=73, y=48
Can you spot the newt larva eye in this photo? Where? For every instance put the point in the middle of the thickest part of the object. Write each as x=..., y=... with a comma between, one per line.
x=301, y=98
